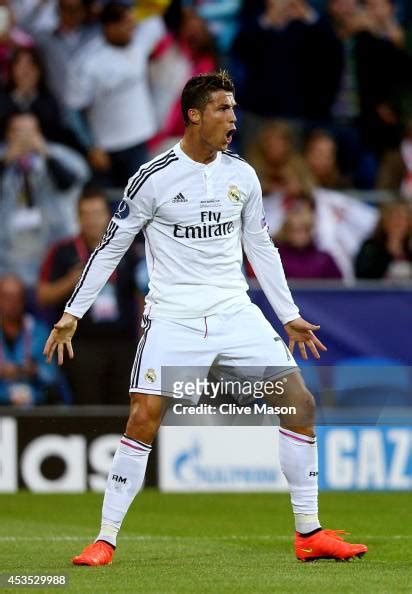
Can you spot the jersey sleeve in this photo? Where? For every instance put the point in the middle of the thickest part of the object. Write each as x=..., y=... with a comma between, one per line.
x=134, y=212
x=264, y=256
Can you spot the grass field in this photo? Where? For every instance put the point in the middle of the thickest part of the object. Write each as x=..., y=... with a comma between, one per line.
x=205, y=544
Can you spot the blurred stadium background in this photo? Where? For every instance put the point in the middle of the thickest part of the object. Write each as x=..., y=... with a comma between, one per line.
x=89, y=89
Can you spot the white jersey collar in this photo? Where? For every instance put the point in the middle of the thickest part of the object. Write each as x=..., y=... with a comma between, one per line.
x=203, y=166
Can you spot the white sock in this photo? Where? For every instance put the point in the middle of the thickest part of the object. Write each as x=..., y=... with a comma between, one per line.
x=298, y=455
x=124, y=482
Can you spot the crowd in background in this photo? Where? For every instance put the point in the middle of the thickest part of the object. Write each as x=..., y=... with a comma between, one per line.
x=90, y=89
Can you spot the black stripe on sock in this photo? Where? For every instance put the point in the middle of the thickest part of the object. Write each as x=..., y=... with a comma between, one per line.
x=109, y=543
x=306, y=534
x=144, y=445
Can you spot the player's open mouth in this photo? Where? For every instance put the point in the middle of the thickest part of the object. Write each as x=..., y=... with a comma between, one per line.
x=229, y=135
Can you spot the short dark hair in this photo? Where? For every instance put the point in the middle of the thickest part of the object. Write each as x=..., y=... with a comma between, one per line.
x=198, y=89
x=113, y=12
x=92, y=191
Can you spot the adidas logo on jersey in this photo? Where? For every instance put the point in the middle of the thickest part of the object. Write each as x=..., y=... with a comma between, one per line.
x=179, y=199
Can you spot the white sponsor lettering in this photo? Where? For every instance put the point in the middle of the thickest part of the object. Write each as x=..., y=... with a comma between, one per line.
x=8, y=455
x=339, y=445
x=71, y=449
x=100, y=457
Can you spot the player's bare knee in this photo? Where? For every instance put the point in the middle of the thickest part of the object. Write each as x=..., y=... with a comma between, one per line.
x=138, y=417
x=305, y=407
x=302, y=409
x=308, y=401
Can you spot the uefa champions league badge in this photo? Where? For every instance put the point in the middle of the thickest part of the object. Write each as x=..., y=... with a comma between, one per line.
x=122, y=211
x=234, y=195
x=150, y=376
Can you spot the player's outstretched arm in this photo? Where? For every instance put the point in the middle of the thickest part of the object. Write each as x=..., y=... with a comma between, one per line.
x=302, y=332
x=60, y=338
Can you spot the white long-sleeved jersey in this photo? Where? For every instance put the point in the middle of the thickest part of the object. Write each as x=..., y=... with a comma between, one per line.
x=195, y=218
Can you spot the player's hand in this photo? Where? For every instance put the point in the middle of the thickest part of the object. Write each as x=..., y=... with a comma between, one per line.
x=61, y=337
x=302, y=332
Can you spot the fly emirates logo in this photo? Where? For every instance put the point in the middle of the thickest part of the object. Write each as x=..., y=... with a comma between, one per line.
x=210, y=226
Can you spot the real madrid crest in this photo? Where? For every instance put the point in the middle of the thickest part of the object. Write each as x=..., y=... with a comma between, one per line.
x=234, y=194
x=150, y=376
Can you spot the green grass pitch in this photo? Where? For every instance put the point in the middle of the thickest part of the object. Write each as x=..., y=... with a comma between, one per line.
x=207, y=543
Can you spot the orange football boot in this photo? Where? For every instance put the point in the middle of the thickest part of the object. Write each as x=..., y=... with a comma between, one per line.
x=98, y=553
x=327, y=544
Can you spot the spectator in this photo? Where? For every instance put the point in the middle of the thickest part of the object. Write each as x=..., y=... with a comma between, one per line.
x=11, y=38
x=392, y=172
x=320, y=62
x=93, y=10
x=148, y=8
x=395, y=172
x=346, y=20
x=269, y=153
x=39, y=183
x=105, y=343
x=60, y=47
x=188, y=52
x=384, y=73
x=382, y=22
x=278, y=56
x=27, y=93
x=36, y=15
x=388, y=252
x=341, y=222
x=301, y=258
x=374, y=70
x=406, y=154
x=221, y=18
x=320, y=153
x=269, y=50
x=111, y=83
x=252, y=9
x=25, y=376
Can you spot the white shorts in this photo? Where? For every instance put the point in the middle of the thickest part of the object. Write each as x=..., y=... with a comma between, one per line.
x=241, y=344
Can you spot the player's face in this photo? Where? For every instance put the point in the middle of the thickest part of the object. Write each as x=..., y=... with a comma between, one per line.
x=217, y=121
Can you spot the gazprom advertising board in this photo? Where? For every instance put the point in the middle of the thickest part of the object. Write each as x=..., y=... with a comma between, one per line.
x=365, y=458
x=65, y=453
x=246, y=458
x=207, y=458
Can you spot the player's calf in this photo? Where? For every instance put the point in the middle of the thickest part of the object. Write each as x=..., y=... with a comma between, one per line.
x=145, y=416
x=126, y=475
